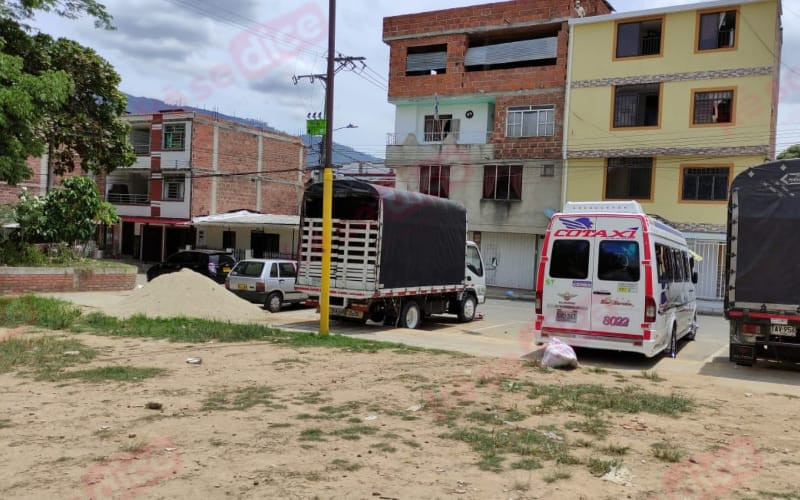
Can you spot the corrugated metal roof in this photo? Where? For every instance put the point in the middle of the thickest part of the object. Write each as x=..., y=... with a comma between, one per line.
x=246, y=217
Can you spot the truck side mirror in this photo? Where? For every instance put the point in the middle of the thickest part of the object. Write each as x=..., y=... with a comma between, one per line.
x=694, y=277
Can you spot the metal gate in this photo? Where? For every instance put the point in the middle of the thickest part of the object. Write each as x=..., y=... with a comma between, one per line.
x=711, y=270
x=516, y=257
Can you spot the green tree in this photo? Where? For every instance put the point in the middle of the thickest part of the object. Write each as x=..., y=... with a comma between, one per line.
x=86, y=126
x=790, y=152
x=21, y=10
x=68, y=214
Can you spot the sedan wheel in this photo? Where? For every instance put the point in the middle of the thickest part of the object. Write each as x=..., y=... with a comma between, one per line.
x=273, y=302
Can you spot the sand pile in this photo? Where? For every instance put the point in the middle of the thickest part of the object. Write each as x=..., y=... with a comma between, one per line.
x=187, y=293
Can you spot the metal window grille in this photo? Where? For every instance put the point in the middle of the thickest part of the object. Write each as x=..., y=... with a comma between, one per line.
x=705, y=183
x=175, y=137
x=713, y=107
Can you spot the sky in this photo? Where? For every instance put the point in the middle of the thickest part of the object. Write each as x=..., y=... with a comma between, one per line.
x=238, y=57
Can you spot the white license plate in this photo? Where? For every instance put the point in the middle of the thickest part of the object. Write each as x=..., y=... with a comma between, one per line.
x=566, y=316
x=784, y=330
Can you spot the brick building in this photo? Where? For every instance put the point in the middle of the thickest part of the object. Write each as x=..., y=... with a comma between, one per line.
x=190, y=165
x=479, y=96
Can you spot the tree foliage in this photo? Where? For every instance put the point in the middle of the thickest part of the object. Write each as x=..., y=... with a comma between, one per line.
x=21, y=10
x=76, y=108
x=790, y=152
x=68, y=214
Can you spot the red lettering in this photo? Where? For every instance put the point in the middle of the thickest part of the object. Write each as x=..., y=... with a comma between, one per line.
x=595, y=233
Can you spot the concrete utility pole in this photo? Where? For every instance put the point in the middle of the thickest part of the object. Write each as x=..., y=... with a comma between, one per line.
x=327, y=180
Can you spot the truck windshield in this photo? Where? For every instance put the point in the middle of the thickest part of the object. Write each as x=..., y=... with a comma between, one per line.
x=570, y=259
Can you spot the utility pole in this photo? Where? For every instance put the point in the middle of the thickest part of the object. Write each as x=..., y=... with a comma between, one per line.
x=327, y=180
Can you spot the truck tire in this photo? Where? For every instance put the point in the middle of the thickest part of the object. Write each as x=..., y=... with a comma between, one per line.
x=410, y=315
x=273, y=302
x=377, y=312
x=466, y=311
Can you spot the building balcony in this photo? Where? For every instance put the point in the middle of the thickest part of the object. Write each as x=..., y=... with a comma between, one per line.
x=436, y=137
x=141, y=149
x=446, y=152
x=128, y=198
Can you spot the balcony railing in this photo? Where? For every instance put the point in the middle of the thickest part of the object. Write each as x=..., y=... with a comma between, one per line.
x=128, y=199
x=462, y=137
x=141, y=149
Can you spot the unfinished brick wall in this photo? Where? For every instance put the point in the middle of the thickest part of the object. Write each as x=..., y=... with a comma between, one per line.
x=238, y=153
x=528, y=147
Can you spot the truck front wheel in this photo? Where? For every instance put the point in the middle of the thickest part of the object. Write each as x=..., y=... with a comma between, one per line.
x=466, y=312
x=411, y=315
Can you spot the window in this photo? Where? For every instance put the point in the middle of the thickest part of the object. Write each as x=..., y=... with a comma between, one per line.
x=426, y=60
x=570, y=259
x=437, y=130
x=502, y=182
x=716, y=30
x=435, y=180
x=640, y=38
x=705, y=183
x=674, y=266
x=548, y=170
x=175, y=137
x=628, y=178
x=712, y=107
x=618, y=261
x=250, y=269
x=287, y=270
x=530, y=121
x=173, y=188
x=474, y=263
x=273, y=271
x=636, y=105
x=515, y=48
x=228, y=239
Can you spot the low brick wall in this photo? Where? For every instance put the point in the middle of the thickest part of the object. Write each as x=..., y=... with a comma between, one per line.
x=15, y=280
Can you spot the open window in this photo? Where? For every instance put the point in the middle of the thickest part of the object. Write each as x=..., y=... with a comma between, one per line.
x=426, y=60
x=706, y=183
x=639, y=38
x=435, y=180
x=637, y=105
x=716, y=30
x=502, y=182
x=514, y=48
x=629, y=179
x=438, y=129
x=712, y=106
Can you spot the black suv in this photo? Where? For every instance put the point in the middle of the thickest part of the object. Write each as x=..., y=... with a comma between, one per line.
x=216, y=264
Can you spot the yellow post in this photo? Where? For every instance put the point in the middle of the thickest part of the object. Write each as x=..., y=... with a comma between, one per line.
x=327, y=229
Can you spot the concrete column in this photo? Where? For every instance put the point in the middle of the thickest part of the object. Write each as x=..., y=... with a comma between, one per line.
x=214, y=167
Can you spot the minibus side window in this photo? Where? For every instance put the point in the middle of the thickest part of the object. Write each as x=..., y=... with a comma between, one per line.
x=618, y=261
x=663, y=263
x=570, y=259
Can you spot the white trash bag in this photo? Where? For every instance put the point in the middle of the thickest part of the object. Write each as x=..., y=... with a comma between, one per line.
x=557, y=354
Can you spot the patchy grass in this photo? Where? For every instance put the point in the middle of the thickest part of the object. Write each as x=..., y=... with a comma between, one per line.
x=652, y=376
x=313, y=434
x=38, y=311
x=345, y=465
x=44, y=355
x=289, y=362
x=412, y=377
x=595, y=426
x=792, y=495
x=216, y=442
x=591, y=399
x=558, y=475
x=599, y=467
x=135, y=447
x=311, y=398
x=340, y=411
x=411, y=443
x=114, y=373
x=597, y=370
x=527, y=464
x=279, y=425
x=667, y=452
x=354, y=432
x=241, y=399
x=5, y=423
x=383, y=446
x=615, y=450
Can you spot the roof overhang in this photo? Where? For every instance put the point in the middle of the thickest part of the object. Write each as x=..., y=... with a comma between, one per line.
x=662, y=10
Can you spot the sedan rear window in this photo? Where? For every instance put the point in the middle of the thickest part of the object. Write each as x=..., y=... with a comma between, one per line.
x=287, y=270
x=570, y=259
x=249, y=269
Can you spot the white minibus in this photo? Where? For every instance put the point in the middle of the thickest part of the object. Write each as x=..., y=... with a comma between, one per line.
x=612, y=277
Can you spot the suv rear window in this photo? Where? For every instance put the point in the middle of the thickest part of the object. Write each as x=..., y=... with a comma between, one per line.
x=618, y=261
x=249, y=269
x=570, y=259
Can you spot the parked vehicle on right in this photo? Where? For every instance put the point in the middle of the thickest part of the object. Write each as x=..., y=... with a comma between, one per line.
x=212, y=263
x=762, y=297
x=266, y=281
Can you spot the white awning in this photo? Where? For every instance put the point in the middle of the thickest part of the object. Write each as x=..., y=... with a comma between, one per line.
x=246, y=218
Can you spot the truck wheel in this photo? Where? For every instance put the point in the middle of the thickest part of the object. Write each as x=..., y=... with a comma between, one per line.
x=466, y=311
x=273, y=302
x=377, y=312
x=410, y=315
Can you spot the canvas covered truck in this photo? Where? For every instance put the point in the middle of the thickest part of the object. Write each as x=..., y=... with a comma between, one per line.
x=396, y=256
x=762, y=295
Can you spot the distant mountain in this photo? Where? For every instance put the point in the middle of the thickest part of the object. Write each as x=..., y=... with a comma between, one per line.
x=341, y=154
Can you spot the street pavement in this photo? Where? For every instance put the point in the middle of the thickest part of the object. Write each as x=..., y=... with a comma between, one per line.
x=505, y=331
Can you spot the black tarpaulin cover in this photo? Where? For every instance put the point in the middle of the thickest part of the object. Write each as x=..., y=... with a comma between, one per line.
x=424, y=237
x=767, y=234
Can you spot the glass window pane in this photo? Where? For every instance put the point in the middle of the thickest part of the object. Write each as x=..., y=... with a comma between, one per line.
x=570, y=259
x=628, y=39
x=618, y=261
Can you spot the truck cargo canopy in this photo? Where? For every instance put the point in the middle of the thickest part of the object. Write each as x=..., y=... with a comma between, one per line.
x=764, y=220
x=423, y=238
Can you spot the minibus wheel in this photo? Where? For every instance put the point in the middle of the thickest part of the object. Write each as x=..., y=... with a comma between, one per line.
x=692, y=329
x=672, y=348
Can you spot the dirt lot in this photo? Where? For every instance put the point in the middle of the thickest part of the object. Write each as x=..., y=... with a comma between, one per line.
x=256, y=420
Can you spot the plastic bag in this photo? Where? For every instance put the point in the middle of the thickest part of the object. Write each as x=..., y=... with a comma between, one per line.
x=557, y=354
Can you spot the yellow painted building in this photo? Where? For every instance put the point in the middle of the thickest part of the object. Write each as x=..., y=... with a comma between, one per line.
x=667, y=105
